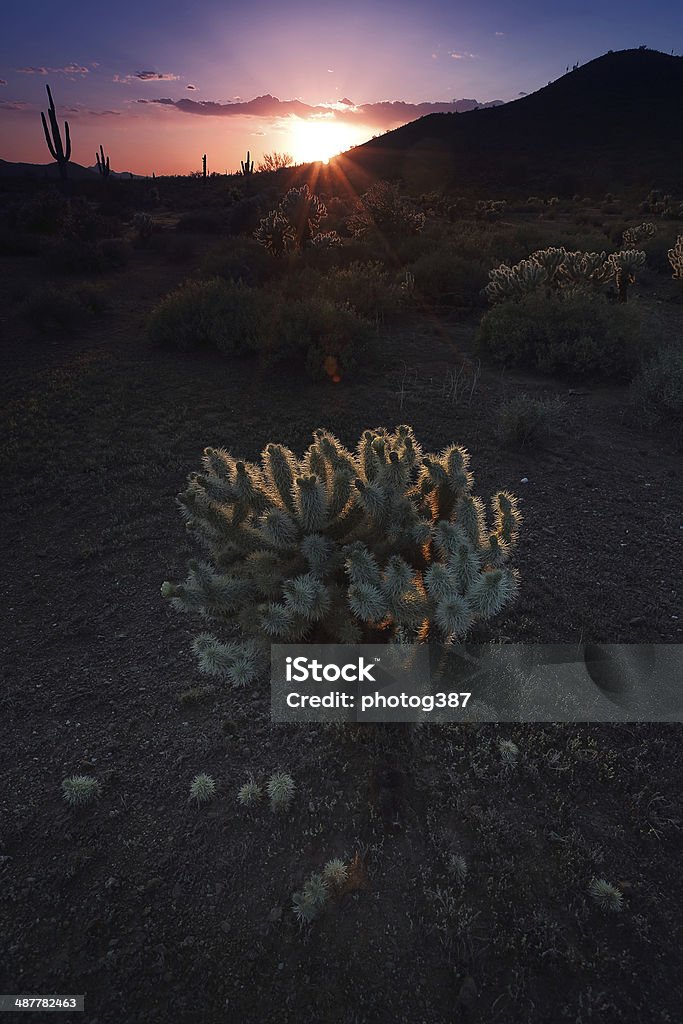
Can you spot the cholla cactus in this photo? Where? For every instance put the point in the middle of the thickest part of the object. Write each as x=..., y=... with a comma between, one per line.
x=249, y=793
x=326, y=240
x=607, y=896
x=676, y=258
x=341, y=547
x=280, y=789
x=559, y=269
x=203, y=789
x=510, y=283
x=295, y=222
x=624, y=265
x=144, y=225
x=584, y=269
x=632, y=236
x=382, y=209
x=490, y=209
x=303, y=210
x=276, y=233
x=79, y=790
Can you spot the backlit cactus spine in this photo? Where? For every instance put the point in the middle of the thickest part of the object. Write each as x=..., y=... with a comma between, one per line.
x=341, y=547
x=676, y=258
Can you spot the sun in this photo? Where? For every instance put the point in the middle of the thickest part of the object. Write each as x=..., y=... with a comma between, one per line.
x=320, y=140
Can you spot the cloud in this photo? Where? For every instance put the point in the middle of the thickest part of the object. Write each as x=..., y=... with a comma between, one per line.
x=386, y=114
x=192, y=87
x=464, y=56
x=3, y=81
x=500, y=33
x=68, y=69
x=13, y=105
x=147, y=76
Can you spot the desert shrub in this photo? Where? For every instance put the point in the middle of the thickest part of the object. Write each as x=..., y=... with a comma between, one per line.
x=60, y=309
x=180, y=250
x=44, y=213
x=20, y=243
x=578, y=332
x=340, y=547
x=524, y=419
x=246, y=215
x=657, y=391
x=203, y=222
x=331, y=340
x=113, y=253
x=446, y=277
x=212, y=314
x=238, y=259
x=381, y=209
x=367, y=288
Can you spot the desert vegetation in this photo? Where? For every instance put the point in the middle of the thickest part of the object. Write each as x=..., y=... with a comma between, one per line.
x=272, y=334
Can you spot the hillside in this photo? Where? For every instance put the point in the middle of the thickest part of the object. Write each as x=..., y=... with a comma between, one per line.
x=613, y=122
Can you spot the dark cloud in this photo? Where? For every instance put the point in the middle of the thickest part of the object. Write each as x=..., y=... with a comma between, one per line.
x=155, y=76
x=3, y=81
x=382, y=115
x=192, y=87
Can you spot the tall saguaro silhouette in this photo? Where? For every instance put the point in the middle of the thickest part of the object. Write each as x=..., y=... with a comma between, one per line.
x=60, y=153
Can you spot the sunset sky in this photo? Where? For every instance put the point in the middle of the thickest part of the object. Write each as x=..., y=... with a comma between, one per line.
x=160, y=83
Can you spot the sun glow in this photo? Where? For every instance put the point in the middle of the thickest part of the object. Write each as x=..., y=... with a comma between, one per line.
x=322, y=139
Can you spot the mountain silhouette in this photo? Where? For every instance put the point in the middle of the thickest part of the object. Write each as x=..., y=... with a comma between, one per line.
x=614, y=122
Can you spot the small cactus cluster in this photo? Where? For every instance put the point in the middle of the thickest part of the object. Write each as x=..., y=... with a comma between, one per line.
x=249, y=794
x=309, y=902
x=606, y=895
x=203, y=789
x=457, y=867
x=79, y=790
x=634, y=236
x=509, y=751
x=559, y=269
x=490, y=209
x=341, y=547
x=676, y=258
x=280, y=789
x=294, y=224
x=661, y=204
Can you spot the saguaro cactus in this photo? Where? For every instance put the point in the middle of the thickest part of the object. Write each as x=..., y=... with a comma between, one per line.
x=60, y=153
x=102, y=164
x=204, y=165
x=248, y=167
